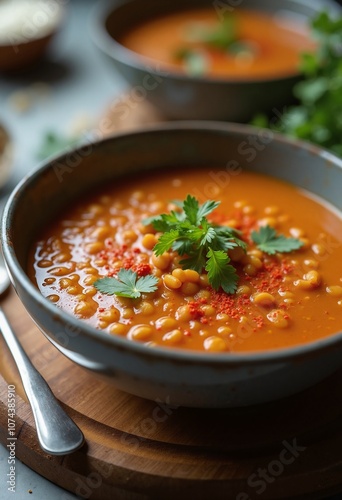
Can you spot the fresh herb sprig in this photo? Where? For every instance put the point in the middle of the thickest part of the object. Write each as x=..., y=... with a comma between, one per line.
x=223, y=36
x=53, y=143
x=268, y=241
x=127, y=284
x=317, y=116
x=220, y=36
x=203, y=244
x=195, y=60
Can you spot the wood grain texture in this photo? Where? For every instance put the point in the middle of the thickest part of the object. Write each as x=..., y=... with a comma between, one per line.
x=137, y=449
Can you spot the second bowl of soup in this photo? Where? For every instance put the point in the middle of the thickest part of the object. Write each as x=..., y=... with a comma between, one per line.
x=207, y=60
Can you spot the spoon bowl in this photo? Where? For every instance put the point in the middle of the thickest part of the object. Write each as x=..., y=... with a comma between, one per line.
x=4, y=281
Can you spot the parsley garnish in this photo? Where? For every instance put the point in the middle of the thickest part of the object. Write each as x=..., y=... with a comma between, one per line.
x=223, y=37
x=268, y=241
x=220, y=273
x=203, y=244
x=195, y=61
x=127, y=284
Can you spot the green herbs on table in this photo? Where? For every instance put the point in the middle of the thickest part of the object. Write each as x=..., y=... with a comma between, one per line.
x=202, y=244
x=200, y=38
x=53, y=143
x=318, y=115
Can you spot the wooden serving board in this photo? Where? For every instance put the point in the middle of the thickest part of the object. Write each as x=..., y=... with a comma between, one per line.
x=139, y=449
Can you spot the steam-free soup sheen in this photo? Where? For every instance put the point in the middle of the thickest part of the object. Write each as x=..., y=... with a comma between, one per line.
x=271, y=45
x=281, y=300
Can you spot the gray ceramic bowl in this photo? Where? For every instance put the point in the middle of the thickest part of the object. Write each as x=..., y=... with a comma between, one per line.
x=180, y=96
x=179, y=377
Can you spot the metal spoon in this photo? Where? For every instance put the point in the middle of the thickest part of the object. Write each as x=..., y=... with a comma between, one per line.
x=57, y=433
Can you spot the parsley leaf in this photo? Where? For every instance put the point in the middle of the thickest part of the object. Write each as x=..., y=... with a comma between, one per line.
x=203, y=244
x=221, y=36
x=166, y=241
x=269, y=242
x=190, y=207
x=220, y=272
x=195, y=61
x=127, y=284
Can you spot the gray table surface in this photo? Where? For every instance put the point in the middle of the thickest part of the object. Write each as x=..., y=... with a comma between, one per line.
x=80, y=83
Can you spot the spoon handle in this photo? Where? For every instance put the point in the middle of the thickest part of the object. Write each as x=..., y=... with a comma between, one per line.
x=57, y=433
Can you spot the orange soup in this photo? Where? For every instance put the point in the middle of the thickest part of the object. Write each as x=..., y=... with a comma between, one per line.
x=242, y=45
x=280, y=264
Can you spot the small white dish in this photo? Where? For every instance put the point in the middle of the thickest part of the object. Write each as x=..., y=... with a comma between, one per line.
x=26, y=29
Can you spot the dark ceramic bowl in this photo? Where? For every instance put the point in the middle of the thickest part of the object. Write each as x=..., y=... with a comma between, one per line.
x=23, y=55
x=179, y=96
x=181, y=377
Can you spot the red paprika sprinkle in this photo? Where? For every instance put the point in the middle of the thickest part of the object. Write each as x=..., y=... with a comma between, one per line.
x=195, y=312
x=195, y=308
x=128, y=262
x=142, y=269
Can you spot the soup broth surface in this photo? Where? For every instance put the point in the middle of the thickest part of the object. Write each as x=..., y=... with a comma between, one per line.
x=281, y=300
x=265, y=46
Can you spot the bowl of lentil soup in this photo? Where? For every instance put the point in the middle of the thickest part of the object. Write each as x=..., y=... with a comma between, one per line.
x=196, y=263
x=198, y=59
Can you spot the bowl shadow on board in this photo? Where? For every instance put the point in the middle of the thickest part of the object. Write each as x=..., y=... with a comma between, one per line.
x=184, y=378
x=322, y=400
x=179, y=96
